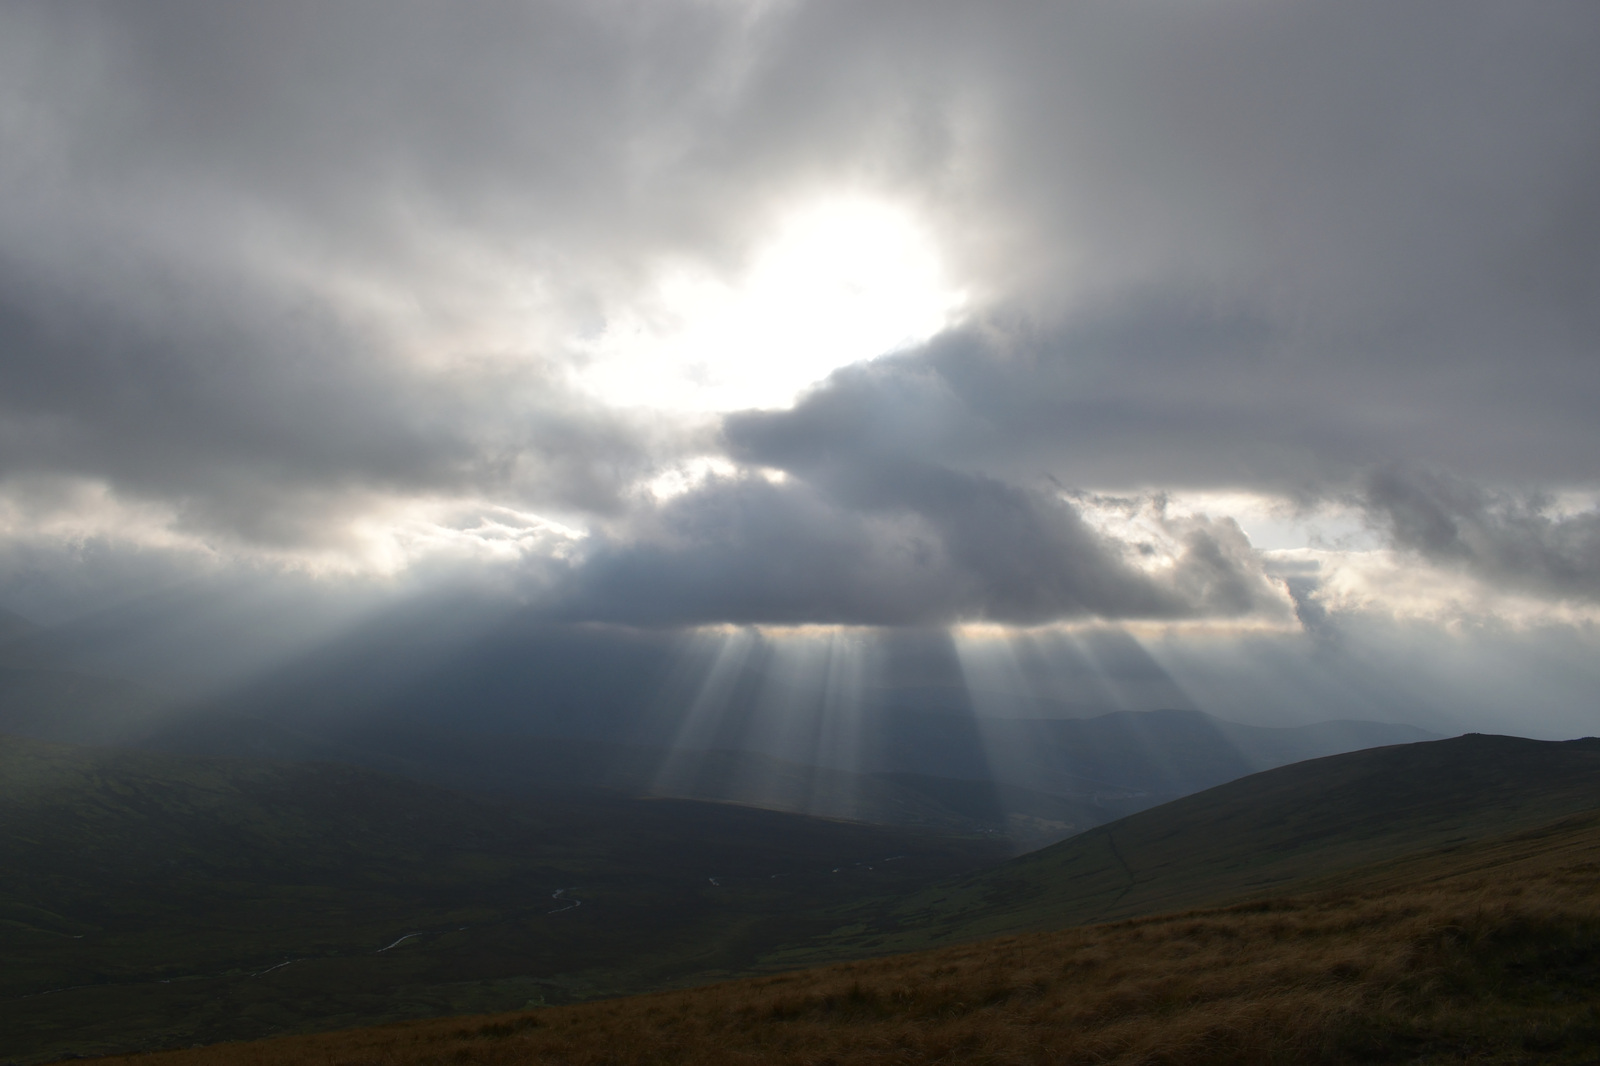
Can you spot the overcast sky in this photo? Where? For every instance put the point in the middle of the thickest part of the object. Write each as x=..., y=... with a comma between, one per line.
x=1271, y=319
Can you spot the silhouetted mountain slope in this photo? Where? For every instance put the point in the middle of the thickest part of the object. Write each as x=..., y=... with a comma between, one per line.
x=510, y=764
x=162, y=899
x=13, y=629
x=84, y=709
x=1121, y=761
x=75, y=708
x=1036, y=780
x=1294, y=825
x=1041, y=779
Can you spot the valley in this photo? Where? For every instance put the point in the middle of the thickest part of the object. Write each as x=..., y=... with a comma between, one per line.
x=150, y=899
x=1471, y=936
x=155, y=900
x=1031, y=780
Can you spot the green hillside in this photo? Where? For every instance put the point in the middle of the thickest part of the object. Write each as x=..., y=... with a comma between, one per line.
x=1292, y=828
x=149, y=900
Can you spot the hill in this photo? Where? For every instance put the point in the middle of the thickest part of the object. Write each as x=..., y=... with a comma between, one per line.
x=1292, y=827
x=150, y=899
x=486, y=714
x=1155, y=755
x=1025, y=817
x=1034, y=781
x=1485, y=952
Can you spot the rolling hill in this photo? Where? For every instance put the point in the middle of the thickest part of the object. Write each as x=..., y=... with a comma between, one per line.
x=1283, y=829
x=1426, y=905
x=149, y=899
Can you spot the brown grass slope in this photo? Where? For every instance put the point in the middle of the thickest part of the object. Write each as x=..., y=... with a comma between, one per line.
x=1480, y=953
x=1299, y=825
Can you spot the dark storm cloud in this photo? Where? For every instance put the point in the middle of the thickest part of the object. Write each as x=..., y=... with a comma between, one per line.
x=1510, y=540
x=898, y=544
x=1234, y=245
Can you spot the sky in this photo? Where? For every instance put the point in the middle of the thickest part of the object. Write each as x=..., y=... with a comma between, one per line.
x=1264, y=334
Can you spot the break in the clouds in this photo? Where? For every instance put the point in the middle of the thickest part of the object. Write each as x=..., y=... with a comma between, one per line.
x=1232, y=312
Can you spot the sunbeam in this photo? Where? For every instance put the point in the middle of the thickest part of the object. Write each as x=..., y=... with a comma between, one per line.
x=997, y=689
x=704, y=722
x=799, y=696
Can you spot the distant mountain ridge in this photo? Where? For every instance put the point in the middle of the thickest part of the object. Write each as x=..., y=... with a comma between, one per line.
x=1034, y=780
x=1162, y=753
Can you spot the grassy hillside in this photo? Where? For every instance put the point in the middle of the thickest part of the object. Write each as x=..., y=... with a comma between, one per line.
x=1457, y=909
x=1487, y=952
x=148, y=900
x=1296, y=825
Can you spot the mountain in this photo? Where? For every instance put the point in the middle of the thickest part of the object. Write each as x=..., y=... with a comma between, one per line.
x=14, y=629
x=1276, y=831
x=85, y=709
x=149, y=899
x=1465, y=944
x=427, y=695
x=1036, y=780
x=1157, y=754
x=512, y=764
x=1033, y=780
x=75, y=707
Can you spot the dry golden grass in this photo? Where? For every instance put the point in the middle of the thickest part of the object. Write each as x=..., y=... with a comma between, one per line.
x=1482, y=954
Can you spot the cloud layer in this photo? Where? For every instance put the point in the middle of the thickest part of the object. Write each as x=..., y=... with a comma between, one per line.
x=284, y=285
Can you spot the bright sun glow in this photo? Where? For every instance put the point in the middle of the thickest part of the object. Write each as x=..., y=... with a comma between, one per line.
x=838, y=284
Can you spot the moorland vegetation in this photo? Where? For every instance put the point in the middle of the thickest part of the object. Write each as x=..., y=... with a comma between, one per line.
x=1488, y=953
x=1430, y=903
x=149, y=900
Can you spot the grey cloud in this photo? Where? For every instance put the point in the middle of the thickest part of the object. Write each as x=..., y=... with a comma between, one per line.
x=1212, y=245
x=743, y=550
x=901, y=544
x=1158, y=390
x=1250, y=245
x=1515, y=541
x=363, y=116
x=268, y=418
x=190, y=191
